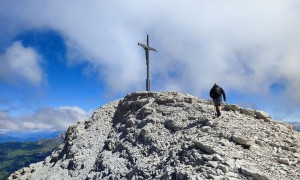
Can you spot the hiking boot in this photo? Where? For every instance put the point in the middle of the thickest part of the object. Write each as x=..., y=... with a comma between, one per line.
x=218, y=113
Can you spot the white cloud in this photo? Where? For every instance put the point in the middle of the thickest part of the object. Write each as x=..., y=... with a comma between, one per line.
x=59, y=118
x=3, y=114
x=246, y=46
x=19, y=63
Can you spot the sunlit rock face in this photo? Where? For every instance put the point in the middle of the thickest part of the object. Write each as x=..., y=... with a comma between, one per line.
x=169, y=135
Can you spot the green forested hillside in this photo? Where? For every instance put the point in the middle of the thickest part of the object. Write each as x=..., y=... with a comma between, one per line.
x=15, y=155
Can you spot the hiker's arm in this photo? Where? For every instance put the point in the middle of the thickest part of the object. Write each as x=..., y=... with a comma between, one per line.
x=211, y=93
x=224, y=96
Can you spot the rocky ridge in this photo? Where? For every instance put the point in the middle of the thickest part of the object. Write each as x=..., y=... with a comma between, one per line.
x=169, y=135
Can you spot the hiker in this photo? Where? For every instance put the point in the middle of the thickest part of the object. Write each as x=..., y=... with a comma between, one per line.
x=216, y=93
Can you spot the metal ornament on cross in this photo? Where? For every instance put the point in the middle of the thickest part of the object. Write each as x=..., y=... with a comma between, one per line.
x=147, y=48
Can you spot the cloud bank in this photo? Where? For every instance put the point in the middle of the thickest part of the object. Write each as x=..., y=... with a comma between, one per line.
x=59, y=119
x=249, y=47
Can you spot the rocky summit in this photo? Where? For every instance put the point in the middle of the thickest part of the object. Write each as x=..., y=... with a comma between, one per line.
x=169, y=135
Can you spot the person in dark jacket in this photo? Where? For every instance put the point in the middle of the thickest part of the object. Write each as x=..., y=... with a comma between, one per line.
x=216, y=93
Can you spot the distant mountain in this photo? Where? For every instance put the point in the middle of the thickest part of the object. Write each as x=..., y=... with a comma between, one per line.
x=5, y=138
x=27, y=136
x=15, y=155
x=296, y=125
x=297, y=128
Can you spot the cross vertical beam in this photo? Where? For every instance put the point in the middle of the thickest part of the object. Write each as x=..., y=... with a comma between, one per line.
x=147, y=48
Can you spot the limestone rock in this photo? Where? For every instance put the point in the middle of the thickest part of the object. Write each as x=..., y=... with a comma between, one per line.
x=130, y=123
x=248, y=111
x=254, y=173
x=284, y=161
x=205, y=147
x=262, y=115
x=217, y=157
x=213, y=164
x=170, y=135
x=205, y=128
x=242, y=140
x=232, y=107
x=173, y=125
x=224, y=168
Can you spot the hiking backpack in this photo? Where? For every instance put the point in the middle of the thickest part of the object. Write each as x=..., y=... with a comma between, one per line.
x=217, y=92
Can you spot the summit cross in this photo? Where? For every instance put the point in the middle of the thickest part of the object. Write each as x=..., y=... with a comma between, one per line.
x=147, y=48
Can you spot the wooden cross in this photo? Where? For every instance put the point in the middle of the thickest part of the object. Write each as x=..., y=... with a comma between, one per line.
x=147, y=48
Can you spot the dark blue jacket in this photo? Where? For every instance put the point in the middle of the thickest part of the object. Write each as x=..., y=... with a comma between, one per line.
x=217, y=92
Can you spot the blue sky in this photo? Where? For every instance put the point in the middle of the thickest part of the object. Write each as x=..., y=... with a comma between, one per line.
x=61, y=60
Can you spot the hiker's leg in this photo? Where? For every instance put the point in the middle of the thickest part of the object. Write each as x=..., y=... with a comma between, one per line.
x=218, y=111
x=217, y=103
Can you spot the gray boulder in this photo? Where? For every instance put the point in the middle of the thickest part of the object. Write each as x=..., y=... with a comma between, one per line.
x=262, y=115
